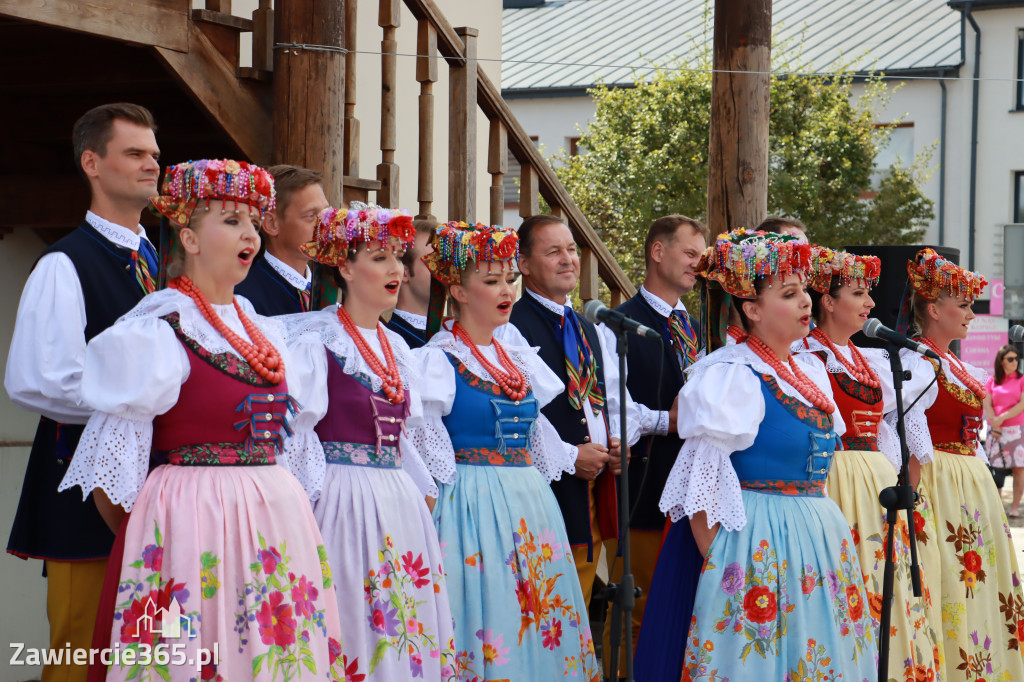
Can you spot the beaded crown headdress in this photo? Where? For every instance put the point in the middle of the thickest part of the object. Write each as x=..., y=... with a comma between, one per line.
x=931, y=275
x=827, y=264
x=188, y=184
x=338, y=229
x=457, y=244
x=731, y=266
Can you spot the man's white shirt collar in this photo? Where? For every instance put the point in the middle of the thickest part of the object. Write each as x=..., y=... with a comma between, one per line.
x=293, y=277
x=417, y=321
x=116, y=234
x=660, y=306
x=556, y=308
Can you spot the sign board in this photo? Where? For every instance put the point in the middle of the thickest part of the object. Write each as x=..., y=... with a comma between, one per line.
x=986, y=335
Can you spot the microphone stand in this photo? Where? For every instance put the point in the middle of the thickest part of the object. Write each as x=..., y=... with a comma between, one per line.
x=894, y=499
x=622, y=596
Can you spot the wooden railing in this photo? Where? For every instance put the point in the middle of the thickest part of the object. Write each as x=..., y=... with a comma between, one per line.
x=469, y=89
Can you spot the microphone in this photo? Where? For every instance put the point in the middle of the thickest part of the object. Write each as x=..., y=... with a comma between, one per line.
x=1016, y=333
x=598, y=312
x=876, y=330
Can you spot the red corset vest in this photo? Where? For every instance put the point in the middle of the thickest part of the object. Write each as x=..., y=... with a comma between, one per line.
x=954, y=418
x=861, y=408
x=226, y=414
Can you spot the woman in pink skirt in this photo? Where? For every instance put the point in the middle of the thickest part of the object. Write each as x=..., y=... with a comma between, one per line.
x=224, y=573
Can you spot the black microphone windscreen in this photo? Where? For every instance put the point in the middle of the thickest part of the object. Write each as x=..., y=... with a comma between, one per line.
x=593, y=308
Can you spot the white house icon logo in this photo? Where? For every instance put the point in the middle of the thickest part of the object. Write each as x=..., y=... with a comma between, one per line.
x=170, y=620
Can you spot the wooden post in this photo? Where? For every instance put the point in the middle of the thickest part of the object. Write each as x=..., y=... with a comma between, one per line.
x=219, y=6
x=529, y=197
x=738, y=154
x=389, y=19
x=263, y=37
x=351, y=144
x=497, y=166
x=462, y=131
x=308, y=92
x=426, y=74
x=588, y=274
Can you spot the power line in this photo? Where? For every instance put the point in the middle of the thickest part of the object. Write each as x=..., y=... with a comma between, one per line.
x=877, y=75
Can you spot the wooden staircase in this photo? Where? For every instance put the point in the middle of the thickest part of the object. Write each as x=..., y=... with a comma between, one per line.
x=61, y=57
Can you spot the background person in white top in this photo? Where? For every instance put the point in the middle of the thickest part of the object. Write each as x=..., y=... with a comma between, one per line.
x=409, y=317
x=79, y=287
x=279, y=281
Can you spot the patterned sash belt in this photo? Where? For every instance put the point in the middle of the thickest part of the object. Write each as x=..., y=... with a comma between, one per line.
x=219, y=454
x=511, y=457
x=363, y=455
x=779, y=487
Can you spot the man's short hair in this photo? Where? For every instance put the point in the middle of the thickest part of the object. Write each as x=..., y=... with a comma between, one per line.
x=94, y=130
x=664, y=229
x=530, y=225
x=289, y=179
x=423, y=226
x=777, y=223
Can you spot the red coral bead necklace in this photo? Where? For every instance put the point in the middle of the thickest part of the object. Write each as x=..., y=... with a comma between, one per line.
x=509, y=377
x=792, y=375
x=958, y=368
x=859, y=369
x=389, y=375
x=260, y=354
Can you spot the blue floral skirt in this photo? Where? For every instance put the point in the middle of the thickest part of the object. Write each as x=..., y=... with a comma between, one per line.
x=515, y=596
x=782, y=599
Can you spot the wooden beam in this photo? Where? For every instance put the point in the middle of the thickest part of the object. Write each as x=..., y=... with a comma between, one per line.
x=462, y=94
x=740, y=85
x=27, y=201
x=588, y=275
x=309, y=88
x=350, y=147
x=426, y=74
x=233, y=105
x=263, y=37
x=449, y=43
x=163, y=24
x=497, y=166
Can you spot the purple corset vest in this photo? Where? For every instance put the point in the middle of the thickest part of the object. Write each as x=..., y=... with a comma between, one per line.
x=361, y=427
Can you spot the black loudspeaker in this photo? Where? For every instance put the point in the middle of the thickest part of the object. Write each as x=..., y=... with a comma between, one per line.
x=889, y=291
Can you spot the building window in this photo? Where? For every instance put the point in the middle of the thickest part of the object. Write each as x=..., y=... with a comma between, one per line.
x=1018, y=197
x=898, y=151
x=574, y=146
x=1020, y=69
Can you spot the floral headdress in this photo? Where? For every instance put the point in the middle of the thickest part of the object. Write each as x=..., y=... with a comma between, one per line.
x=338, y=230
x=731, y=267
x=187, y=185
x=931, y=275
x=456, y=245
x=827, y=264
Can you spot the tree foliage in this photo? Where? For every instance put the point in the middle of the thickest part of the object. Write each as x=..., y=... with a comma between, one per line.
x=646, y=154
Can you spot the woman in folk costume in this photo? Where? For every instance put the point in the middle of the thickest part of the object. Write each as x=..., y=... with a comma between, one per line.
x=360, y=390
x=980, y=592
x=516, y=599
x=861, y=383
x=217, y=534
x=781, y=594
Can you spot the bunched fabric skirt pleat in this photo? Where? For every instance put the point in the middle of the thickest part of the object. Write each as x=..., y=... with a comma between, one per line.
x=515, y=595
x=782, y=599
x=981, y=597
x=388, y=576
x=915, y=650
x=226, y=559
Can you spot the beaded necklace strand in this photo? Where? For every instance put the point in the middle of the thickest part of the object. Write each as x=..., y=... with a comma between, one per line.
x=260, y=354
x=509, y=377
x=859, y=369
x=392, y=380
x=795, y=378
x=959, y=371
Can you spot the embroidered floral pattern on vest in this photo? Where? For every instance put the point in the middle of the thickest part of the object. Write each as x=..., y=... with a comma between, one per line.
x=226, y=362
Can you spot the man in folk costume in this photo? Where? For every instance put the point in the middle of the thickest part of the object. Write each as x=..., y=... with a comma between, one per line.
x=672, y=250
x=280, y=281
x=409, y=318
x=572, y=347
x=80, y=286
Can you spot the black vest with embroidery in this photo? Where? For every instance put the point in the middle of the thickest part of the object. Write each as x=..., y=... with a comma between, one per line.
x=48, y=524
x=651, y=459
x=268, y=291
x=416, y=338
x=541, y=328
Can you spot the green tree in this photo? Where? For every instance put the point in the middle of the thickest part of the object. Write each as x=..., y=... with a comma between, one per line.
x=646, y=153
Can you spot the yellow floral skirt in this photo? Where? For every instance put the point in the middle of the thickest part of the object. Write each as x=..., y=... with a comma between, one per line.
x=915, y=651
x=980, y=590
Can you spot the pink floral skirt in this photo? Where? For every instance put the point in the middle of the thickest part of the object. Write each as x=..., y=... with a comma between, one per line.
x=224, y=577
x=1006, y=452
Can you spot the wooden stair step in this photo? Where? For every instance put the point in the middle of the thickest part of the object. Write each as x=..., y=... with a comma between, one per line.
x=253, y=74
x=240, y=24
